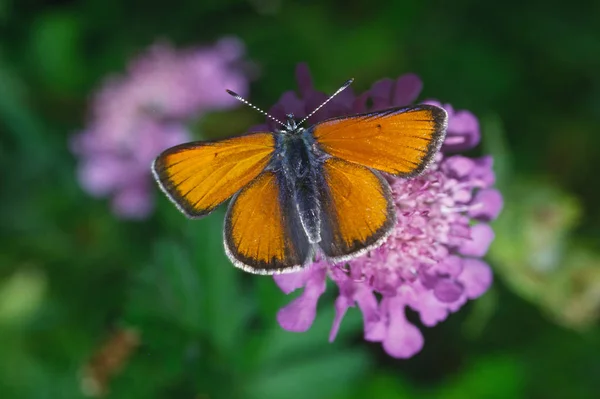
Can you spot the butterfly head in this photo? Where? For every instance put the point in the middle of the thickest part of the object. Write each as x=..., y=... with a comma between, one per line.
x=290, y=126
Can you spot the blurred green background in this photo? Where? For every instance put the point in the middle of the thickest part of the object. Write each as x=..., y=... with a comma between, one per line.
x=74, y=277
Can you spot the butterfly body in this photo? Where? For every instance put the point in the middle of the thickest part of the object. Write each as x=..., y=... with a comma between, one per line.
x=298, y=162
x=297, y=192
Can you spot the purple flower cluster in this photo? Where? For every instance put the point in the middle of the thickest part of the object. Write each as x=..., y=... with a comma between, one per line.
x=431, y=262
x=136, y=116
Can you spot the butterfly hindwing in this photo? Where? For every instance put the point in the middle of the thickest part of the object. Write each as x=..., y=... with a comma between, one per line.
x=199, y=176
x=263, y=233
x=357, y=209
x=398, y=141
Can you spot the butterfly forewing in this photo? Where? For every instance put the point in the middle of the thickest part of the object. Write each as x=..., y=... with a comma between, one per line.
x=263, y=233
x=199, y=176
x=398, y=141
x=357, y=209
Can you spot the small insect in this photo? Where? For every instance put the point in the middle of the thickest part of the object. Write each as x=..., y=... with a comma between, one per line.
x=298, y=192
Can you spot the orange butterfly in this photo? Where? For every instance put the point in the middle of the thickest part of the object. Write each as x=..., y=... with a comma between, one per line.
x=297, y=191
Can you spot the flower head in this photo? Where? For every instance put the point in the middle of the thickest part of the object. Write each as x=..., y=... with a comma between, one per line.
x=431, y=262
x=136, y=116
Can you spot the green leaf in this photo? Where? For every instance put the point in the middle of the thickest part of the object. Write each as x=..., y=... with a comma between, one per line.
x=494, y=143
x=225, y=308
x=20, y=296
x=276, y=344
x=5, y=10
x=270, y=298
x=383, y=385
x=56, y=48
x=168, y=289
x=481, y=312
x=317, y=376
x=497, y=377
x=161, y=360
x=22, y=125
x=532, y=233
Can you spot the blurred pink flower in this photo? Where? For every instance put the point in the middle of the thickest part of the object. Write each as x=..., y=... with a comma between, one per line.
x=137, y=115
x=431, y=261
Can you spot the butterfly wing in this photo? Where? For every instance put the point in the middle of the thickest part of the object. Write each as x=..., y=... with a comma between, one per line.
x=199, y=176
x=263, y=233
x=398, y=141
x=357, y=209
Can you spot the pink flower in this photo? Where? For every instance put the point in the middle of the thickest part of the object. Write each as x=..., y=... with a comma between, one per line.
x=136, y=116
x=431, y=261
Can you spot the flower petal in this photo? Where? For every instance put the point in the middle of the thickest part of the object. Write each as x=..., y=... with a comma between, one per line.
x=289, y=282
x=431, y=310
x=476, y=277
x=486, y=205
x=299, y=314
x=304, y=79
x=458, y=166
x=381, y=93
x=466, y=125
x=407, y=89
x=342, y=303
x=403, y=339
x=483, y=170
x=448, y=290
x=374, y=326
x=133, y=202
x=451, y=265
x=482, y=236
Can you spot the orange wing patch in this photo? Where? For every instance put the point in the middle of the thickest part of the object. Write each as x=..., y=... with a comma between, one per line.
x=263, y=233
x=399, y=141
x=199, y=176
x=357, y=209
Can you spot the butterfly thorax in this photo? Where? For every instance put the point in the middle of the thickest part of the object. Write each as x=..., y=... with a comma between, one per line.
x=297, y=162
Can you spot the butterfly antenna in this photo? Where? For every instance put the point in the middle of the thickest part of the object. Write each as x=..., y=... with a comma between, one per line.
x=346, y=84
x=240, y=98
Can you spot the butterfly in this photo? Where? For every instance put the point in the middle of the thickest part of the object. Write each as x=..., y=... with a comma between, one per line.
x=300, y=192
